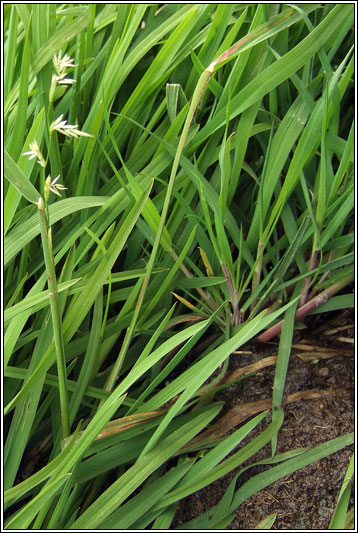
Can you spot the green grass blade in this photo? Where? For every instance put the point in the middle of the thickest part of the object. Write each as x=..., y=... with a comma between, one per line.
x=264, y=479
x=20, y=490
x=23, y=518
x=131, y=511
x=19, y=180
x=22, y=234
x=35, y=302
x=338, y=520
x=129, y=481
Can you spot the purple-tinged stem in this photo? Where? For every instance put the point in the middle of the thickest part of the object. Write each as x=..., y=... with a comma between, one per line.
x=307, y=308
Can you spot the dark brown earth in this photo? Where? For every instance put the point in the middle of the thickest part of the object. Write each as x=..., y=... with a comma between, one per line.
x=305, y=499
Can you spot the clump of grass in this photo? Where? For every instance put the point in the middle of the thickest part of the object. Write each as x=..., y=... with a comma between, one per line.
x=205, y=154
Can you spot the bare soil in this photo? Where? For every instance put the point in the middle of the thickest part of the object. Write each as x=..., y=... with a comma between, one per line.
x=305, y=499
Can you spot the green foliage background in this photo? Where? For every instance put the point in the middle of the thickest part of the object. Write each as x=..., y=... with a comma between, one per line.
x=215, y=194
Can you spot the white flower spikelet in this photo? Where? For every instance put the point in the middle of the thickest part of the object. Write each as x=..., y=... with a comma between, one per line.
x=62, y=63
x=70, y=130
x=61, y=80
x=35, y=152
x=51, y=185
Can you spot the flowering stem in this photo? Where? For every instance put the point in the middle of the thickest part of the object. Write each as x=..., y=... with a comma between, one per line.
x=56, y=316
x=203, y=81
x=42, y=182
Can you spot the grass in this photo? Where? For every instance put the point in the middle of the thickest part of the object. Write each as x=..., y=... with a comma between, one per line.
x=204, y=156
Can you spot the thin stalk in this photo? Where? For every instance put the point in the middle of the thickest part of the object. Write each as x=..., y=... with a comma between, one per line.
x=312, y=265
x=257, y=272
x=324, y=276
x=198, y=92
x=188, y=275
x=203, y=81
x=46, y=238
x=235, y=317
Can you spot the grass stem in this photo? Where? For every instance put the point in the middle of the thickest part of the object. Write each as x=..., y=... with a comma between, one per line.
x=46, y=237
